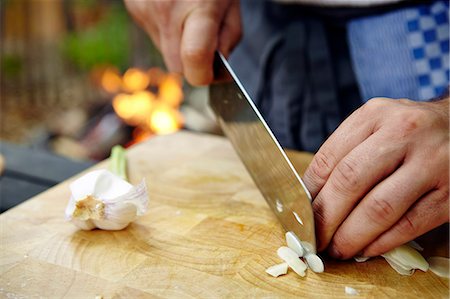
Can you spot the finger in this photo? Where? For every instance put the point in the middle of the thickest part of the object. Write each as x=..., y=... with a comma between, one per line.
x=350, y=180
x=170, y=47
x=199, y=41
x=231, y=30
x=428, y=213
x=381, y=208
x=143, y=16
x=353, y=131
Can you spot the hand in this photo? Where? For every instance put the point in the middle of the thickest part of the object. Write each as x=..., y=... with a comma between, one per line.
x=382, y=178
x=188, y=32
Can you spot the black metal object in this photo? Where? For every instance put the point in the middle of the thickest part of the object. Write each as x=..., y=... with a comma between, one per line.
x=30, y=171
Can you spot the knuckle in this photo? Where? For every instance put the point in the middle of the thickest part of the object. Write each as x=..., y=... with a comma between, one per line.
x=406, y=226
x=374, y=104
x=342, y=242
x=347, y=176
x=380, y=211
x=409, y=121
x=320, y=166
x=319, y=213
x=196, y=56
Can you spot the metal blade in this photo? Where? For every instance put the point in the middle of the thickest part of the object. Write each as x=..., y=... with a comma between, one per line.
x=261, y=153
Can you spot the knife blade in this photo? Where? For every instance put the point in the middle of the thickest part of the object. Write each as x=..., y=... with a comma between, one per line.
x=261, y=153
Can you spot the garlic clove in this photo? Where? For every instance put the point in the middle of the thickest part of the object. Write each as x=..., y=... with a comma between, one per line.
x=407, y=257
x=361, y=259
x=84, y=224
x=439, y=266
x=117, y=217
x=294, y=243
x=314, y=262
x=277, y=270
x=399, y=268
x=292, y=259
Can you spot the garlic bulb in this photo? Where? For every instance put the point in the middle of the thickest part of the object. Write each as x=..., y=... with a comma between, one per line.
x=103, y=200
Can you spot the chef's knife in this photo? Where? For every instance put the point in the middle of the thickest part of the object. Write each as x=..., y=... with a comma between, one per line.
x=261, y=153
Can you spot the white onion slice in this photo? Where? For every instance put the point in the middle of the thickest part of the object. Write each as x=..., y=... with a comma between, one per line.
x=277, y=270
x=294, y=243
x=439, y=266
x=292, y=259
x=314, y=262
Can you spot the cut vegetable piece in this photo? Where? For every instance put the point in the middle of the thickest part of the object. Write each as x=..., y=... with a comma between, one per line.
x=407, y=257
x=277, y=270
x=314, y=262
x=400, y=269
x=287, y=253
x=361, y=259
x=439, y=266
x=351, y=291
x=294, y=243
x=292, y=259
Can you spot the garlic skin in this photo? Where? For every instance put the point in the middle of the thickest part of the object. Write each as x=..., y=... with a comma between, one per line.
x=103, y=200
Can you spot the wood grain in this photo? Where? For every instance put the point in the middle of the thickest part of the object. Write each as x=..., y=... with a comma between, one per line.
x=208, y=234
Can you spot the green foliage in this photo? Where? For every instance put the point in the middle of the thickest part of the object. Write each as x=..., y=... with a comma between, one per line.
x=11, y=65
x=108, y=42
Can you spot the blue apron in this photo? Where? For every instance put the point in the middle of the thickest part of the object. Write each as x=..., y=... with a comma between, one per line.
x=308, y=68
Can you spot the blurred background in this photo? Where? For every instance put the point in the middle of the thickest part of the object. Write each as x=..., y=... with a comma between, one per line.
x=78, y=77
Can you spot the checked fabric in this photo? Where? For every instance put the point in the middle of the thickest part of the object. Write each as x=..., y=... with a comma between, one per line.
x=402, y=54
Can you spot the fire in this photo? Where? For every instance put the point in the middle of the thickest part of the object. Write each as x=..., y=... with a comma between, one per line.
x=110, y=80
x=170, y=92
x=151, y=113
x=135, y=108
x=164, y=120
x=135, y=80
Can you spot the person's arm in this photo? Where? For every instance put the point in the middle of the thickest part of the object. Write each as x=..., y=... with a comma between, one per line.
x=382, y=178
x=188, y=32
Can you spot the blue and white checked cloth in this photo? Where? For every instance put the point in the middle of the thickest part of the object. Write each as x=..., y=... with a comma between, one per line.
x=402, y=54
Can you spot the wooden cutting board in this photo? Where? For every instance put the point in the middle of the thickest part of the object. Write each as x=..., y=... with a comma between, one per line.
x=208, y=234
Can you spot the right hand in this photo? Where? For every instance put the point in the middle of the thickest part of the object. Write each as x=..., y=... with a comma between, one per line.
x=188, y=32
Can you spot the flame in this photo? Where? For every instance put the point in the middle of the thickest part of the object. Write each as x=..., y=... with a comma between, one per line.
x=150, y=113
x=170, y=90
x=155, y=75
x=110, y=80
x=164, y=120
x=134, y=109
x=135, y=80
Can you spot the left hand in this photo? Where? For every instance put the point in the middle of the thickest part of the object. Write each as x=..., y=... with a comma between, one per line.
x=382, y=178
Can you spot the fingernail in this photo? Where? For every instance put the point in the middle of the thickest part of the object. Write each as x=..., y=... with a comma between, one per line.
x=334, y=252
